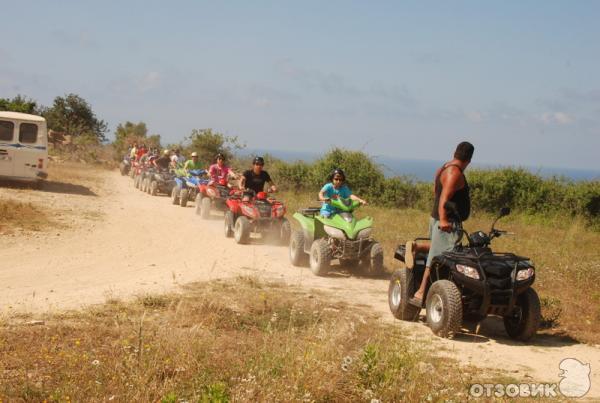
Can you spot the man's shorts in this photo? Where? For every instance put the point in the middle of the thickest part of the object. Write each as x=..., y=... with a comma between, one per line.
x=440, y=241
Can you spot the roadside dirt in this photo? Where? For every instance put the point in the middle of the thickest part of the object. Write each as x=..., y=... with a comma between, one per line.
x=121, y=243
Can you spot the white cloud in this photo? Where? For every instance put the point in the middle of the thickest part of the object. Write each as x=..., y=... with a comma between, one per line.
x=149, y=81
x=474, y=116
x=558, y=118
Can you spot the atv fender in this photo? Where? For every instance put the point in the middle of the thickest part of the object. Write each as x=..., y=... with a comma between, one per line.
x=311, y=229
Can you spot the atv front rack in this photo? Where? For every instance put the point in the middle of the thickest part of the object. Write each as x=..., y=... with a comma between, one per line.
x=310, y=211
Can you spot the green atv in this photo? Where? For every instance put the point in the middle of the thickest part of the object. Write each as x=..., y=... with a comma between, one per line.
x=341, y=237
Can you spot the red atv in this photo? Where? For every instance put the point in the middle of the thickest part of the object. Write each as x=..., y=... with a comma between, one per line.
x=250, y=213
x=212, y=195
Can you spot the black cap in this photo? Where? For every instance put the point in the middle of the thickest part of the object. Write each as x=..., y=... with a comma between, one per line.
x=259, y=160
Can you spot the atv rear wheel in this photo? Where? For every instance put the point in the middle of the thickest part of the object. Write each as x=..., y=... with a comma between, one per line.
x=285, y=232
x=241, y=231
x=153, y=188
x=183, y=197
x=320, y=257
x=229, y=222
x=524, y=321
x=297, y=255
x=198, y=203
x=399, y=291
x=206, y=205
x=444, y=308
x=373, y=264
x=144, y=185
x=175, y=195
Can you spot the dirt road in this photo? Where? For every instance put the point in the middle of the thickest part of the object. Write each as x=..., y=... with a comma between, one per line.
x=143, y=244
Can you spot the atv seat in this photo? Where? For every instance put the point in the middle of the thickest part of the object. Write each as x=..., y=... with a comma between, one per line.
x=310, y=211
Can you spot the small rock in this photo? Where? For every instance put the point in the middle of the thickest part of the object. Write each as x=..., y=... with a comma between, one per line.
x=35, y=322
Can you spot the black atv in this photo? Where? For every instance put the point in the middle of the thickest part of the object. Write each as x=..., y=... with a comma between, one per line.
x=470, y=282
x=160, y=181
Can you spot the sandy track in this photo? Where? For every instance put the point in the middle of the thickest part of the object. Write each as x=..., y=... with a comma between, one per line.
x=144, y=244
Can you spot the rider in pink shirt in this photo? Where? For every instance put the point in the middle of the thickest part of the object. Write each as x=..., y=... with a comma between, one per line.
x=219, y=171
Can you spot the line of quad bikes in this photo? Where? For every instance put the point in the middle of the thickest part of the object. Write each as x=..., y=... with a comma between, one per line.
x=467, y=284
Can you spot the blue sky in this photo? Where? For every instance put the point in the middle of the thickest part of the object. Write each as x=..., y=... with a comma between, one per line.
x=403, y=79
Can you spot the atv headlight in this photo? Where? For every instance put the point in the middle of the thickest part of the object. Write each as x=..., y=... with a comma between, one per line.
x=334, y=232
x=525, y=274
x=365, y=233
x=468, y=271
x=280, y=211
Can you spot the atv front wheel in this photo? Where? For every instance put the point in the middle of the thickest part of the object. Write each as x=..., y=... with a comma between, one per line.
x=373, y=265
x=399, y=291
x=229, y=220
x=297, y=255
x=183, y=197
x=175, y=195
x=149, y=186
x=444, y=308
x=198, y=203
x=523, y=322
x=320, y=257
x=153, y=188
x=241, y=232
x=206, y=205
x=136, y=182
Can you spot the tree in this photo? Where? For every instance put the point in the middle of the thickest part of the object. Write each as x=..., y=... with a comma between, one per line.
x=129, y=133
x=21, y=104
x=72, y=115
x=208, y=144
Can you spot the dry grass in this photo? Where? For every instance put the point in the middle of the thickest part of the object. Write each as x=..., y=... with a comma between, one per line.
x=239, y=340
x=26, y=216
x=566, y=254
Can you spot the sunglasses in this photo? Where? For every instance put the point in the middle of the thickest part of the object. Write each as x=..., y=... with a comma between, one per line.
x=338, y=179
x=260, y=165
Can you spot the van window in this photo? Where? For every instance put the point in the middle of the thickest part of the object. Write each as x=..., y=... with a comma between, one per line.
x=6, y=130
x=28, y=133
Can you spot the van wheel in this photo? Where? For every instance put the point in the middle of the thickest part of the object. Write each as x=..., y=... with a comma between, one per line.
x=320, y=257
x=241, y=231
x=444, y=308
x=206, y=205
x=297, y=255
x=523, y=322
x=399, y=292
x=175, y=195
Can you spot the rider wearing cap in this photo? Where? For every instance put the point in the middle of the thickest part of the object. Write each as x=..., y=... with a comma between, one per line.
x=336, y=188
x=219, y=170
x=192, y=164
x=255, y=178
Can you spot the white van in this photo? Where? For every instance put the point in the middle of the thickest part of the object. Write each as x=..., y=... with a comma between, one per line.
x=23, y=147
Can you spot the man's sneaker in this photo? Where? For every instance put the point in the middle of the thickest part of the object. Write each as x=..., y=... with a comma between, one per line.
x=409, y=255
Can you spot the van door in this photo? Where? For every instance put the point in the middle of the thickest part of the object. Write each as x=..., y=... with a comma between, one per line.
x=26, y=158
x=7, y=148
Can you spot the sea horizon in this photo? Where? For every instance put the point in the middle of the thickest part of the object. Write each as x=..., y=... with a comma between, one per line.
x=423, y=170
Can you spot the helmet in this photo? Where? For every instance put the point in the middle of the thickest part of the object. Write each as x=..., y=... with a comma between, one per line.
x=261, y=195
x=166, y=152
x=194, y=154
x=259, y=161
x=337, y=171
x=223, y=182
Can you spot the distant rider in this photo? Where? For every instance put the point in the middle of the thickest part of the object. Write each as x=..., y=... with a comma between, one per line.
x=335, y=189
x=192, y=164
x=219, y=170
x=163, y=162
x=450, y=184
x=255, y=178
x=177, y=160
